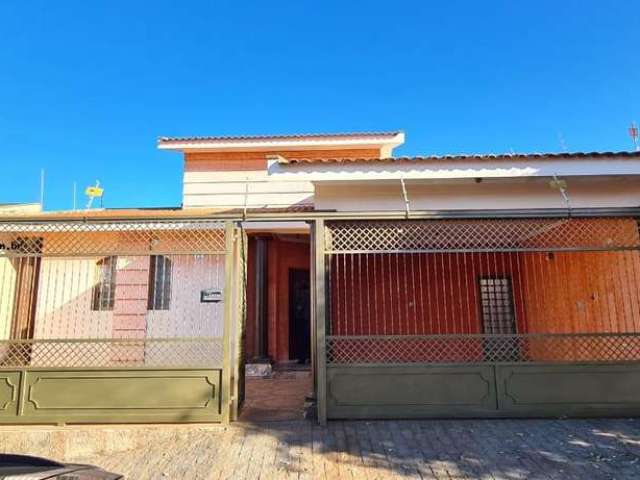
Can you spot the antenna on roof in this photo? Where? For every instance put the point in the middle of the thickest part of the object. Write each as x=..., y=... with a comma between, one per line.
x=563, y=144
x=633, y=133
x=93, y=192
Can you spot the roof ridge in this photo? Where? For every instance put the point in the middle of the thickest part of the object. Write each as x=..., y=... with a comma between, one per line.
x=282, y=136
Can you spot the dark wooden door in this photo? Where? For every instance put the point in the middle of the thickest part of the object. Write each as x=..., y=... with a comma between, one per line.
x=299, y=315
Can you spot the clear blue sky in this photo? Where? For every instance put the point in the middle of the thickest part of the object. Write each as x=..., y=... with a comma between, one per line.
x=86, y=87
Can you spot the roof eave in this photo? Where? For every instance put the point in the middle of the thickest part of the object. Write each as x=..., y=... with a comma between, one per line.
x=329, y=142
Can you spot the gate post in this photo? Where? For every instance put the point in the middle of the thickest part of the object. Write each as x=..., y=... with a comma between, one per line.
x=227, y=336
x=320, y=321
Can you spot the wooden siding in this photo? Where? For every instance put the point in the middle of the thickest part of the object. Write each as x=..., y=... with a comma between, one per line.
x=7, y=291
x=438, y=293
x=424, y=294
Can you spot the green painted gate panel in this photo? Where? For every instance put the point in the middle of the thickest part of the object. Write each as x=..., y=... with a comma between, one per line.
x=112, y=396
x=489, y=390
x=569, y=389
x=9, y=394
x=410, y=391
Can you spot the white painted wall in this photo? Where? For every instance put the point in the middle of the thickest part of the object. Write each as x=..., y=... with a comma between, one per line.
x=65, y=295
x=187, y=316
x=584, y=192
x=230, y=189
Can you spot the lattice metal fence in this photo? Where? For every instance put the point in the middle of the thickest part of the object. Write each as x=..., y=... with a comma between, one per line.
x=480, y=235
x=111, y=238
x=112, y=294
x=484, y=348
x=99, y=353
x=497, y=290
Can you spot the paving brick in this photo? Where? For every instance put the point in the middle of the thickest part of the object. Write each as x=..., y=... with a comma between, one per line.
x=426, y=449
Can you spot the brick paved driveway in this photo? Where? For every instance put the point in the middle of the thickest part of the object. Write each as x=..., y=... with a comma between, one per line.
x=443, y=449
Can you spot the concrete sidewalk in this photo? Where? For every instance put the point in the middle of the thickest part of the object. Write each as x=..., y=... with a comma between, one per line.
x=439, y=449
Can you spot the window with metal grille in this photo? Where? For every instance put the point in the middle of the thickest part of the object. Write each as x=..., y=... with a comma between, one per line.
x=104, y=290
x=496, y=304
x=159, y=283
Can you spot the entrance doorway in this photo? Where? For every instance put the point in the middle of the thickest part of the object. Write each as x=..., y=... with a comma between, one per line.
x=278, y=329
x=299, y=316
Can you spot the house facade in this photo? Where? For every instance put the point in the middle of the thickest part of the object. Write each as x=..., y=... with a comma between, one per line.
x=458, y=285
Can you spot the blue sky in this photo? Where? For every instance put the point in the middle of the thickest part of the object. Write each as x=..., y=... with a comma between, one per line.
x=87, y=87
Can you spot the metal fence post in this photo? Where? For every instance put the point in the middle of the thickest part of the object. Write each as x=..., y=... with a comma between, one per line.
x=320, y=321
x=227, y=336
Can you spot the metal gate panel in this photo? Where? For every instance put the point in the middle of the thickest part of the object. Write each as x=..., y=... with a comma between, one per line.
x=399, y=316
x=129, y=321
x=582, y=389
x=104, y=395
x=411, y=391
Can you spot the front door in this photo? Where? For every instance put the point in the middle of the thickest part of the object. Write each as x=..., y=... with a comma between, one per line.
x=299, y=316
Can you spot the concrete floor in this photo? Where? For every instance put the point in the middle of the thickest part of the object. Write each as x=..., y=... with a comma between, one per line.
x=431, y=449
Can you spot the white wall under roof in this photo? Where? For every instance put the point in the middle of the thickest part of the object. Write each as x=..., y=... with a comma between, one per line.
x=533, y=193
x=234, y=189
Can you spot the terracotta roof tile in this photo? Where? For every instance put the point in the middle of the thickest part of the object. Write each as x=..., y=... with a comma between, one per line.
x=277, y=137
x=465, y=157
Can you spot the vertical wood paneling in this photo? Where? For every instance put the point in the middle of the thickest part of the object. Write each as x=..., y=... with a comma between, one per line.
x=7, y=291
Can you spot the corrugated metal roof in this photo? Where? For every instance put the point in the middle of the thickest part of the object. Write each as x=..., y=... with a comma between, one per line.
x=469, y=157
x=303, y=136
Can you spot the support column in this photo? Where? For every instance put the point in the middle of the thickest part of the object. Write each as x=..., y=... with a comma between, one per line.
x=227, y=331
x=260, y=292
x=320, y=320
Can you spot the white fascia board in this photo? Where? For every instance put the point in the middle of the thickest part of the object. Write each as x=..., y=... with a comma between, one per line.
x=442, y=169
x=328, y=143
x=276, y=227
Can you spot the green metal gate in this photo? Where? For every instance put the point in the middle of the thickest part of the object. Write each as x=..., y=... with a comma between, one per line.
x=121, y=320
x=478, y=318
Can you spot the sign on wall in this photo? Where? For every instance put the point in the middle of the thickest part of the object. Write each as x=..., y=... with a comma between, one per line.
x=210, y=295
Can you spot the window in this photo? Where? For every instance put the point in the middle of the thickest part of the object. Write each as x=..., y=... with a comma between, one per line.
x=496, y=303
x=104, y=290
x=159, y=283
